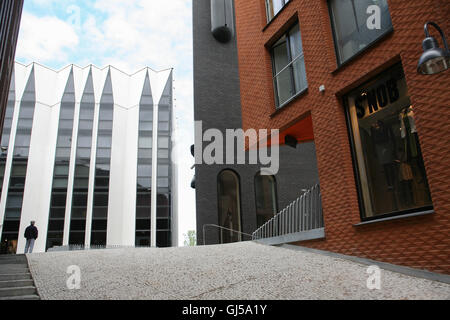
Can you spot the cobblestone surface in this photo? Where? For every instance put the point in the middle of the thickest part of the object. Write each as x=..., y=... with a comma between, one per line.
x=236, y=271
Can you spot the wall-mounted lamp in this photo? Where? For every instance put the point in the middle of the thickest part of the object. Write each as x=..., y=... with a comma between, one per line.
x=290, y=141
x=434, y=59
x=222, y=24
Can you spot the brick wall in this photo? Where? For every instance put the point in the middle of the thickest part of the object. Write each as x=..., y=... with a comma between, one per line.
x=420, y=242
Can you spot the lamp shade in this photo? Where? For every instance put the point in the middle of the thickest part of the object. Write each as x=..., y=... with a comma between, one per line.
x=434, y=59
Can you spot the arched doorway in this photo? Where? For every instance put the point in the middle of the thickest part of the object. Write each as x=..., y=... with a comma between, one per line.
x=265, y=198
x=229, y=206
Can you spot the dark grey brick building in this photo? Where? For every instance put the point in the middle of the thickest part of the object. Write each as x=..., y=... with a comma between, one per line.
x=235, y=196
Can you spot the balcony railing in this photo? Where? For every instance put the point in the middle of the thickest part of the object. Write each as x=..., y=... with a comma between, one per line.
x=299, y=221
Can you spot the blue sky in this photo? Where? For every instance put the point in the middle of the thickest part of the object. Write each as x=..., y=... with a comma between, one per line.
x=130, y=35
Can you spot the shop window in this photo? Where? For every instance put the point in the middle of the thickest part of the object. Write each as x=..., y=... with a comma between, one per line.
x=389, y=164
x=288, y=63
x=266, y=198
x=273, y=7
x=349, y=20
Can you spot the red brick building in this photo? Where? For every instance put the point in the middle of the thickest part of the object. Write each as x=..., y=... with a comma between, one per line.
x=368, y=82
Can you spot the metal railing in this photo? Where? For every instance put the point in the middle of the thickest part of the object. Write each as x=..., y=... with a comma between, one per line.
x=223, y=228
x=303, y=214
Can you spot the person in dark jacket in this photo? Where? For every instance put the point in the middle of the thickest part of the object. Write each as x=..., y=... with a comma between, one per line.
x=31, y=234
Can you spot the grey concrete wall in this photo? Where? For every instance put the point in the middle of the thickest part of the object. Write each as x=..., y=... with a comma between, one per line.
x=217, y=104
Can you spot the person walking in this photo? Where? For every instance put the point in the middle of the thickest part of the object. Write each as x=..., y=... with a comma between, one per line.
x=31, y=234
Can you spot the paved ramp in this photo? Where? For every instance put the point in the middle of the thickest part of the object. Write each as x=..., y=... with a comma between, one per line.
x=245, y=270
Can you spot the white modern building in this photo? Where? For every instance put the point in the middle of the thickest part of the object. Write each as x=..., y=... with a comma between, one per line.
x=81, y=151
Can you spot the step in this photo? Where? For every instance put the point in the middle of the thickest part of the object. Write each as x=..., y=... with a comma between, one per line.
x=13, y=270
x=20, y=291
x=27, y=297
x=13, y=260
x=15, y=276
x=16, y=283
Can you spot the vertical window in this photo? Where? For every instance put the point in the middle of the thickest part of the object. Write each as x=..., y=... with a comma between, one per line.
x=390, y=169
x=266, y=198
x=144, y=167
x=102, y=167
x=273, y=7
x=6, y=135
x=61, y=170
x=82, y=165
x=288, y=63
x=19, y=167
x=349, y=20
x=229, y=206
x=163, y=234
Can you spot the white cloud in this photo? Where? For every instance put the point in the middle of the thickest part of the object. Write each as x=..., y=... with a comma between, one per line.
x=45, y=39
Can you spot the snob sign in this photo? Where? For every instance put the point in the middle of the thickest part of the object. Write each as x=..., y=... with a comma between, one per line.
x=386, y=90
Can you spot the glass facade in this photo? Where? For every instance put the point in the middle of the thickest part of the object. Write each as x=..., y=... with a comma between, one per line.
x=289, y=73
x=386, y=148
x=82, y=165
x=144, y=167
x=61, y=170
x=349, y=20
x=163, y=224
x=6, y=134
x=11, y=223
x=102, y=166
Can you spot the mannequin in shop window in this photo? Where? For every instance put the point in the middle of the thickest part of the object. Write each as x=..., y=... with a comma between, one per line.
x=412, y=152
x=384, y=142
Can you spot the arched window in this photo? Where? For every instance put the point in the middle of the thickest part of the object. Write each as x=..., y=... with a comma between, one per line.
x=229, y=206
x=265, y=197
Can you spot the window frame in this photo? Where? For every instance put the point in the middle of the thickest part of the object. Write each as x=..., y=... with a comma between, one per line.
x=285, y=34
x=357, y=176
x=270, y=19
x=361, y=51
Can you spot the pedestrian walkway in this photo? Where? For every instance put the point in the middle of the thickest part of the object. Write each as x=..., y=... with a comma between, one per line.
x=15, y=279
x=245, y=270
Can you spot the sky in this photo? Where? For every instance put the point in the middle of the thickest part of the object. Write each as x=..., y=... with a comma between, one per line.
x=130, y=35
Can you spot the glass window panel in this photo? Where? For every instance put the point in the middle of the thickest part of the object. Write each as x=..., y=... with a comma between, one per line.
x=164, y=115
x=144, y=170
x=349, y=19
x=63, y=153
x=145, y=142
x=60, y=183
x=61, y=169
x=146, y=125
x=163, y=153
x=163, y=182
x=144, y=182
x=163, y=170
x=163, y=142
x=392, y=175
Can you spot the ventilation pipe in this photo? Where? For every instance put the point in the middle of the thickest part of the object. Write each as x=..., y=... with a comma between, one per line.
x=222, y=25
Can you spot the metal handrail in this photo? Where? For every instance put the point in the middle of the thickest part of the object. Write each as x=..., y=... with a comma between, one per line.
x=303, y=214
x=220, y=227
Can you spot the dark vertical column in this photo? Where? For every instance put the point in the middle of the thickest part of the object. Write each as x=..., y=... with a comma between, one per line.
x=61, y=169
x=82, y=165
x=10, y=15
x=102, y=167
x=164, y=182
x=144, y=167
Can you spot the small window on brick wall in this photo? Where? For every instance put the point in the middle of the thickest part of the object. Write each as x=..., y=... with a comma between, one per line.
x=273, y=7
x=288, y=63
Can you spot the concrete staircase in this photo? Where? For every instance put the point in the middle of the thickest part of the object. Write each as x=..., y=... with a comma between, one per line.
x=16, y=282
